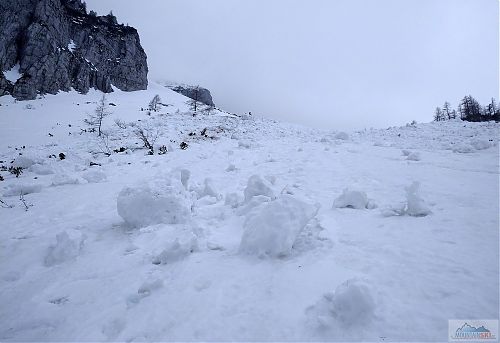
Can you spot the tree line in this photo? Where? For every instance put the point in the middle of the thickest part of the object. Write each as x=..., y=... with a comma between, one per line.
x=469, y=109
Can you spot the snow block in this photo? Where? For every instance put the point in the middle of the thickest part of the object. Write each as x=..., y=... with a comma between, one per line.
x=65, y=248
x=350, y=305
x=94, y=176
x=256, y=186
x=23, y=188
x=142, y=206
x=415, y=207
x=272, y=229
x=177, y=250
x=342, y=136
x=352, y=199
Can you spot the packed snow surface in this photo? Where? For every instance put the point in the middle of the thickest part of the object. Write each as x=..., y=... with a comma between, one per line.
x=227, y=232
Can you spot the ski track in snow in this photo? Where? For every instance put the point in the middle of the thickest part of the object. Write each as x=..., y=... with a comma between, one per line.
x=100, y=283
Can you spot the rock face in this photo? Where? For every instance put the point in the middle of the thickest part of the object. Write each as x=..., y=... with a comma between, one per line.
x=56, y=45
x=194, y=92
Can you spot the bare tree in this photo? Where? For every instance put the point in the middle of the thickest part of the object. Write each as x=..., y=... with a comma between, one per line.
x=194, y=102
x=101, y=112
x=439, y=115
x=448, y=112
x=148, y=138
x=155, y=103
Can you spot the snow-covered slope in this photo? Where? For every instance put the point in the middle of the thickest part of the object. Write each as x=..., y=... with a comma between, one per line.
x=257, y=230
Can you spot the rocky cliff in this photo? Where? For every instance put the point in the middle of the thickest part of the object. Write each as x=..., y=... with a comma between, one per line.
x=53, y=45
x=194, y=92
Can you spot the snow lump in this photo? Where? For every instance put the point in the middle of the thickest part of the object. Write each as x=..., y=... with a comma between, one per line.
x=162, y=201
x=256, y=186
x=272, y=229
x=353, y=199
x=350, y=305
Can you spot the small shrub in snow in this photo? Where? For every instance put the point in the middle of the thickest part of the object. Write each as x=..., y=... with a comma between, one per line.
x=350, y=305
x=163, y=202
x=353, y=199
x=415, y=206
x=272, y=229
x=64, y=249
x=17, y=171
x=414, y=156
x=94, y=176
x=342, y=136
x=257, y=186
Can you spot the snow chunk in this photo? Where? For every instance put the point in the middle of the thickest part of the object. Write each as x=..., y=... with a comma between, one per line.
x=415, y=207
x=177, y=250
x=350, y=305
x=65, y=248
x=209, y=190
x=164, y=201
x=71, y=46
x=64, y=179
x=479, y=144
x=94, y=176
x=463, y=149
x=353, y=199
x=22, y=188
x=232, y=200
x=40, y=169
x=342, y=136
x=23, y=162
x=257, y=186
x=273, y=228
x=414, y=156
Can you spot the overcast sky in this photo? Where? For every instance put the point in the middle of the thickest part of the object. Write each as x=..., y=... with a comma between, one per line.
x=343, y=64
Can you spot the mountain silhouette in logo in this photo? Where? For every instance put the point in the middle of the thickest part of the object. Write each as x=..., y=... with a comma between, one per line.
x=468, y=328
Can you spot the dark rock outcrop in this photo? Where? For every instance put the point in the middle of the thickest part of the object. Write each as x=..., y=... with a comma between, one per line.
x=57, y=46
x=194, y=92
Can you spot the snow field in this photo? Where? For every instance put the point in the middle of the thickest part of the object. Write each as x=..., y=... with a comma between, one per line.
x=181, y=247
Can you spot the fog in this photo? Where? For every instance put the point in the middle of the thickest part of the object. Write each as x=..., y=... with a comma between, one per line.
x=346, y=64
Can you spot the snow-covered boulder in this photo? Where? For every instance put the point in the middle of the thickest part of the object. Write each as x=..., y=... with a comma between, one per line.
x=350, y=305
x=67, y=247
x=272, y=229
x=415, y=206
x=353, y=199
x=160, y=201
x=342, y=136
x=94, y=176
x=257, y=186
